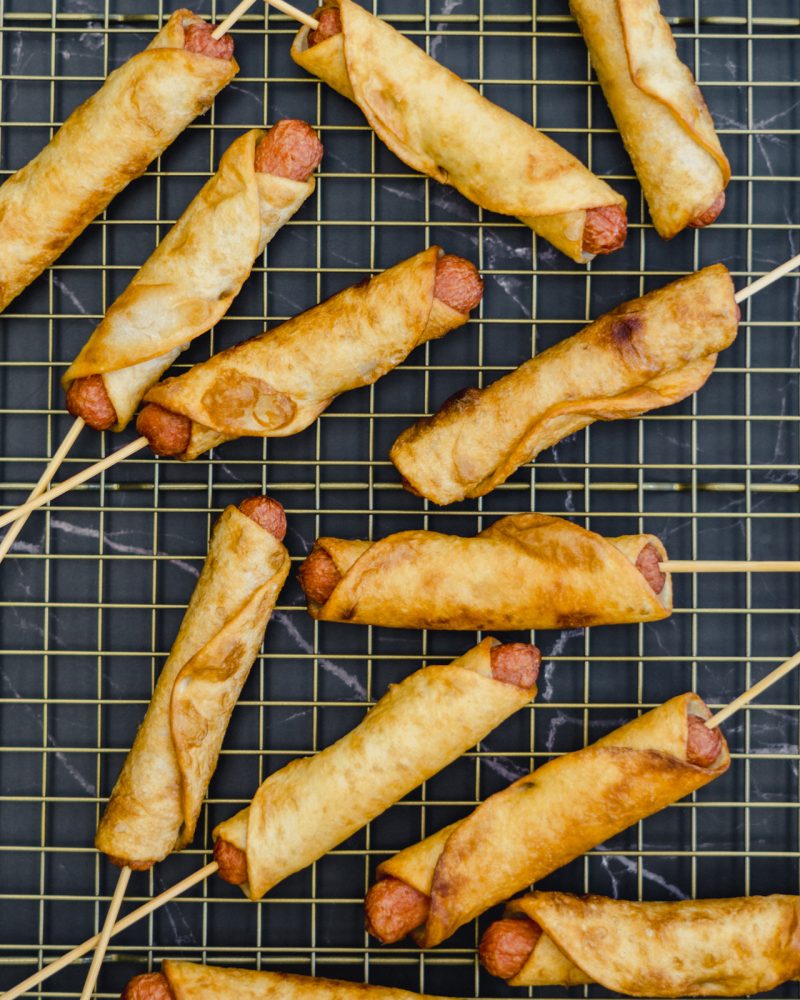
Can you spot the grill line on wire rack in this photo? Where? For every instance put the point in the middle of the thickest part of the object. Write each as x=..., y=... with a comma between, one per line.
x=92, y=593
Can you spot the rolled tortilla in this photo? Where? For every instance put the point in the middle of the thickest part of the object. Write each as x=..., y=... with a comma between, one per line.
x=190, y=281
x=156, y=801
x=441, y=126
x=552, y=816
x=417, y=728
x=646, y=354
x=704, y=947
x=659, y=109
x=103, y=145
x=188, y=981
x=524, y=571
x=279, y=382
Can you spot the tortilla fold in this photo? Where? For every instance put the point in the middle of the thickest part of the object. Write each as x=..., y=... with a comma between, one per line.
x=552, y=816
x=441, y=126
x=648, y=353
x=189, y=981
x=418, y=727
x=524, y=571
x=156, y=801
x=103, y=145
x=278, y=383
x=659, y=109
x=704, y=947
x=189, y=282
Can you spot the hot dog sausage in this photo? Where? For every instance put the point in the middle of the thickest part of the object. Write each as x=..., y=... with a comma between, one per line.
x=709, y=215
x=197, y=38
x=649, y=565
x=394, y=909
x=516, y=663
x=167, y=433
x=232, y=862
x=148, y=986
x=330, y=24
x=512, y=663
x=87, y=398
x=318, y=576
x=507, y=945
x=604, y=229
x=702, y=744
x=267, y=514
x=290, y=149
x=457, y=285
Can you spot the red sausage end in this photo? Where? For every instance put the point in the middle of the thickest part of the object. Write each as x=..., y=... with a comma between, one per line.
x=458, y=283
x=267, y=513
x=507, y=945
x=167, y=433
x=149, y=986
x=394, y=909
x=290, y=149
x=516, y=663
x=605, y=229
x=87, y=398
x=197, y=38
x=330, y=24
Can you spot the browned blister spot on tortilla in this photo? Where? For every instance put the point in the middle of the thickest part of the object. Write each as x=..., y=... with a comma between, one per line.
x=246, y=403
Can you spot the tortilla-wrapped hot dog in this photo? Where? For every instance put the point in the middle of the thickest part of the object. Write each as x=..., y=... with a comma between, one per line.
x=441, y=126
x=190, y=281
x=524, y=571
x=545, y=820
x=646, y=354
x=188, y=981
x=314, y=803
x=107, y=142
x=156, y=801
x=278, y=383
x=704, y=947
x=659, y=111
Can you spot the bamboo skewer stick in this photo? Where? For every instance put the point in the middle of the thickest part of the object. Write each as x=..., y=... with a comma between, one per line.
x=81, y=477
x=240, y=9
x=105, y=933
x=122, y=925
x=44, y=481
x=134, y=446
x=753, y=692
x=729, y=566
x=176, y=890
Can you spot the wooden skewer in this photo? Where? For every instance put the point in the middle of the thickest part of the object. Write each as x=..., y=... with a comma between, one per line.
x=133, y=917
x=728, y=566
x=209, y=869
x=241, y=8
x=44, y=481
x=105, y=934
x=754, y=691
x=73, y=481
x=139, y=443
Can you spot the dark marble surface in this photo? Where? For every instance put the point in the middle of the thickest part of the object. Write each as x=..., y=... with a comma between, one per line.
x=93, y=593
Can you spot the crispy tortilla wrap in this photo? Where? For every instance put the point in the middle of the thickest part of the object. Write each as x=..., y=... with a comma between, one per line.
x=103, y=145
x=441, y=126
x=703, y=947
x=189, y=981
x=278, y=383
x=190, y=281
x=524, y=571
x=659, y=109
x=646, y=354
x=546, y=819
x=157, y=798
x=419, y=726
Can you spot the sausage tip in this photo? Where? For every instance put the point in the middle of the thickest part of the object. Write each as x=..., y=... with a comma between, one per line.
x=88, y=399
x=167, y=433
x=290, y=149
x=232, y=862
x=516, y=663
x=148, y=986
x=507, y=945
x=197, y=38
x=605, y=229
x=330, y=24
x=458, y=283
x=318, y=576
x=267, y=513
x=393, y=909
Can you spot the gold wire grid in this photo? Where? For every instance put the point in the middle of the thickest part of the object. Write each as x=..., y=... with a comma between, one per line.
x=86, y=616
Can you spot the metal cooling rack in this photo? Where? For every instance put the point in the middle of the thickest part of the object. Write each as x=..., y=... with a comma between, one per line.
x=92, y=595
